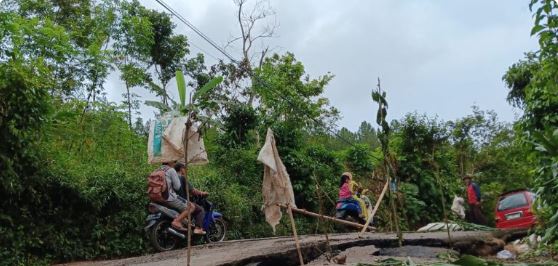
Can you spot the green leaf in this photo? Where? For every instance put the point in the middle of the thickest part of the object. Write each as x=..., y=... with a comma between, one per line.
x=468, y=260
x=538, y=19
x=536, y=29
x=158, y=105
x=212, y=84
x=549, y=233
x=181, y=85
x=376, y=96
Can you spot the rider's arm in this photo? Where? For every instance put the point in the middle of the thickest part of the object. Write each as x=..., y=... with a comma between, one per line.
x=196, y=192
x=175, y=181
x=199, y=192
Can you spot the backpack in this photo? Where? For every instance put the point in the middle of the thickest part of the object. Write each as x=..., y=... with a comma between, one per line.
x=157, y=189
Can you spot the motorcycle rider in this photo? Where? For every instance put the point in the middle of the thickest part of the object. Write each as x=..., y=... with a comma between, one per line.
x=345, y=193
x=174, y=201
x=348, y=190
x=199, y=212
x=356, y=191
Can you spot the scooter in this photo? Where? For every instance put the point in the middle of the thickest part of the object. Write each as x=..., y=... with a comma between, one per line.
x=163, y=237
x=349, y=209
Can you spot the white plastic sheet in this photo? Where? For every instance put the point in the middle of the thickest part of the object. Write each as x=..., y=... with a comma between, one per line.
x=165, y=142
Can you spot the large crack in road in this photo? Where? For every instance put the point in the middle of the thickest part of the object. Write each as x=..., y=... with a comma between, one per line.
x=282, y=251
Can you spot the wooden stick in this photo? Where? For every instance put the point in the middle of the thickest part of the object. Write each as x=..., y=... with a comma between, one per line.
x=186, y=140
x=305, y=212
x=289, y=210
x=375, y=208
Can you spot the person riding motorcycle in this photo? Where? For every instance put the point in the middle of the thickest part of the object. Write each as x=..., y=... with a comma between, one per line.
x=357, y=191
x=350, y=190
x=198, y=212
x=176, y=202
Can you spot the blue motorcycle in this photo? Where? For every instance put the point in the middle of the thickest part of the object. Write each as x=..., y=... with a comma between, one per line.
x=163, y=237
x=349, y=209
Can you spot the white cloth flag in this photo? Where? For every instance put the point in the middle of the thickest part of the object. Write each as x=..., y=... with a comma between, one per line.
x=276, y=186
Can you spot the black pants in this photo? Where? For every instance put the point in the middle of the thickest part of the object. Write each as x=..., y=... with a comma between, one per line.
x=198, y=213
x=475, y=215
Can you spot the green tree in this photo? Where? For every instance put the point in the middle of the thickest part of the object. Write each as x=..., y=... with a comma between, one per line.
x=133, y=39
x=167, y=52
x=470, y=134
x=425, y=160
x=532, y=82
x=288, y=96
x=359, y=160
x=367, y=134
x=518, y=77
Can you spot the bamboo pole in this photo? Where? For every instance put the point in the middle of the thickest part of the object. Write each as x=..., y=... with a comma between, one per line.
x=289, y=211
x=375, y=208
x=440, y=185
x=320, y=200
x=185, y=141
x=313, y=214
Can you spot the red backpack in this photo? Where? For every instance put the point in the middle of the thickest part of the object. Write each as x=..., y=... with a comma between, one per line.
x=157, y=185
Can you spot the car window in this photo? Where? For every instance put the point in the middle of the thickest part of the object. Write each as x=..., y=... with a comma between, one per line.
x=512, y=201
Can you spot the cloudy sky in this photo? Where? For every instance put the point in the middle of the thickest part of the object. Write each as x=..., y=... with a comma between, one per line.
x=435, y=57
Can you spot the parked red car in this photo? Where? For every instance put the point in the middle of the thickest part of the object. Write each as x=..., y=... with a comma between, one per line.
x=514, y=210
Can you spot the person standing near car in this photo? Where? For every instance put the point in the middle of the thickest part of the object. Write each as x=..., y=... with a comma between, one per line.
x=474, y=201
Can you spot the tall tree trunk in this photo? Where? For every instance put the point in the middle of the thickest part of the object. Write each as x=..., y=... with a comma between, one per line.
x=129, y=105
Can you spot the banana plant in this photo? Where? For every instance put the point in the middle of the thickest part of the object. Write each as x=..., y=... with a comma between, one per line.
x=182, y=107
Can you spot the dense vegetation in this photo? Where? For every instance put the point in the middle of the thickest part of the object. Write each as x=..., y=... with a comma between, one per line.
x=73, y=164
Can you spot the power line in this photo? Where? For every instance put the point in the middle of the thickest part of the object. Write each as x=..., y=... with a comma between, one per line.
x=204, y=51
x=196, y=30
x=231, y=58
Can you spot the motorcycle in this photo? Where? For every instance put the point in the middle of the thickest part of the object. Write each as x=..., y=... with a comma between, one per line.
x=350, y=210
x=163, y=237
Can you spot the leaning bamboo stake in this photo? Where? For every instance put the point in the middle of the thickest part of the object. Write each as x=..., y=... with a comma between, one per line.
x=375, y=209
x=313, y=214
x=289, y=210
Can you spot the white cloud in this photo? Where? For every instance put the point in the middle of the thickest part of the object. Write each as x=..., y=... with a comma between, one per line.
x=434, y=57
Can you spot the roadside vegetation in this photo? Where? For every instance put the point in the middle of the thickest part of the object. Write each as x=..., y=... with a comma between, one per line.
x=73, y=164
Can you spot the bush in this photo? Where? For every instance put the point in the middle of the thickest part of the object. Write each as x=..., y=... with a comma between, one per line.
x=56, y=220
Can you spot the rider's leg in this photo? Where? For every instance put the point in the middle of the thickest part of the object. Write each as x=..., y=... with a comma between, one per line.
x=184, y=207
x=199, y=215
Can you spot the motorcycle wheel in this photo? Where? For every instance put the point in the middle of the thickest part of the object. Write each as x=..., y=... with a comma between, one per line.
x=217, y=231
x=160, y=238
x=351, y=217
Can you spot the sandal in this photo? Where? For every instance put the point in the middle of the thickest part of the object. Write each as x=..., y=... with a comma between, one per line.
x=179, y=227
x=199, y=231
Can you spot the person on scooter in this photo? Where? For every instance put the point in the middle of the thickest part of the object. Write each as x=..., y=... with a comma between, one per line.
x=347, y=192
x=174, y=201
x=357, y=191
x=199, y=212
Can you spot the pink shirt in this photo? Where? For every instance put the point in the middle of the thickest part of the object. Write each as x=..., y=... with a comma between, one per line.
x=345, y=192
